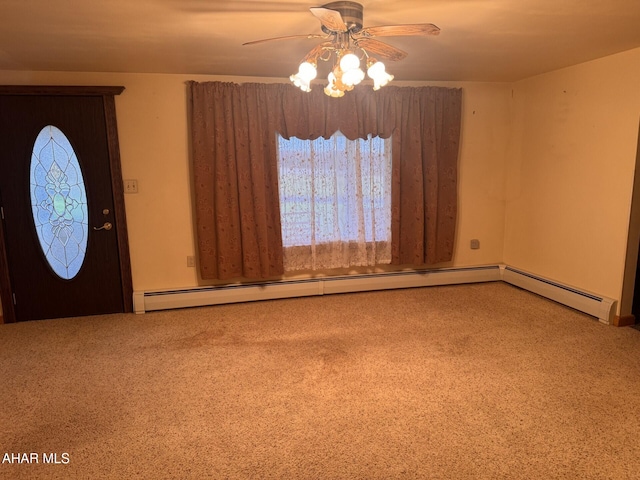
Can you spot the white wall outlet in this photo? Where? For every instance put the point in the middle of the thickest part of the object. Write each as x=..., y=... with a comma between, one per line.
x=131, y=186
x=475, y=244
x=191, y=261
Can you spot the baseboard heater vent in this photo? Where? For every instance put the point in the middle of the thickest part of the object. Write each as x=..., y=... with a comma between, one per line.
x=595, y=305
x=202, y=296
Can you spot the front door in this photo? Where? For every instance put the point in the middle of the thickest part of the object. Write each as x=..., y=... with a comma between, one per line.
x=60, y=225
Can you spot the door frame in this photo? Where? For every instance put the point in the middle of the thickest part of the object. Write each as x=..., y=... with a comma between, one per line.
x=632, y=258
x=107, y=93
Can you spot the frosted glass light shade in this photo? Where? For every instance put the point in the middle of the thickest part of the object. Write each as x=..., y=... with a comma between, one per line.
x=349, y=62
x=307, y=71
x=378, y=74
x=352, y=77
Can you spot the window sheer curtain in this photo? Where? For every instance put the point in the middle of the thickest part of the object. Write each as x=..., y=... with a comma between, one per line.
x=335, y=201
x=234, y=154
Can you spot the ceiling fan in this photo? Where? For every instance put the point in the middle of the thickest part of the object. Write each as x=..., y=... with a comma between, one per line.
x=347, y=42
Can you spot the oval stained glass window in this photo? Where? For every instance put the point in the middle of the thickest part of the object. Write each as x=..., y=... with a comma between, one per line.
x=59, y=202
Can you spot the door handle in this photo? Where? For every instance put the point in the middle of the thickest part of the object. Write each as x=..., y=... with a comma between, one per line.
x=106, y=226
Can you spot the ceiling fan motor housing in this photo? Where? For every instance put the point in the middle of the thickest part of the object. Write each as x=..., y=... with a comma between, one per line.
x=351, y=15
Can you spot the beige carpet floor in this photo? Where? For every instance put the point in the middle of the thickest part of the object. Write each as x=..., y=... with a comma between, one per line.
x=480, y=381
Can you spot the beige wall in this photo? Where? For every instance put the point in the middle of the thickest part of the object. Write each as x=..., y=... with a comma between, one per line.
x=152, y=127
x=546, y=171
x=570, y=172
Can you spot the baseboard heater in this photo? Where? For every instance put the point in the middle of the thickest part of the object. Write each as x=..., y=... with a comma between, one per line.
x=202, y=296
x=597, y=306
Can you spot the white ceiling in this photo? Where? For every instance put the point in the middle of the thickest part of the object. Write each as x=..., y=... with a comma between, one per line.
x=480, y=40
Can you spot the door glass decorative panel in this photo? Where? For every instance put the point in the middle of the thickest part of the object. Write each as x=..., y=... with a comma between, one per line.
x=59, y=202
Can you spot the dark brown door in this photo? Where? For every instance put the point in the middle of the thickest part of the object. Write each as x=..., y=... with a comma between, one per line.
x=39, y=291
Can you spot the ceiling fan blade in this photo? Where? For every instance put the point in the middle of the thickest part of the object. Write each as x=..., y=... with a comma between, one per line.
x=288, y=37
x=423, y=29
x=381, y=49
x=330, y=19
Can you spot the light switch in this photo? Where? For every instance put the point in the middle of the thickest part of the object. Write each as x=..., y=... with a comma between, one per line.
x=131, y=186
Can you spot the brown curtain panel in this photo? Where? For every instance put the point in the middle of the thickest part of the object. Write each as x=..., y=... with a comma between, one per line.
x=235, y=180
x=425, y=175
x=235, y=166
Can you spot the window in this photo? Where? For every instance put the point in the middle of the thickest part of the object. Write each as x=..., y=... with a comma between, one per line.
x=335, y=201
x=58, y=202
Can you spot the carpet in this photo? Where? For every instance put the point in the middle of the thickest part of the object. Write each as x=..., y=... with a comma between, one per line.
x=481, y=381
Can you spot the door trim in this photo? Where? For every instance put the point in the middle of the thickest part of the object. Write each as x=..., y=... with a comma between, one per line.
x=108, y=98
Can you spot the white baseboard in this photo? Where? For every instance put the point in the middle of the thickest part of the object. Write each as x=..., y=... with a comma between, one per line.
x=595, y=305
x=201, y=296
x=602, y=308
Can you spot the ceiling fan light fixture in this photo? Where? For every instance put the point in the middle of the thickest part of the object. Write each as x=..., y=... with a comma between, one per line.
x=332, y=89
x=349, y=61
x=301, y=84
x=352, y=77
x=306, y=72
x=336, y=78
x=377, y=72
x=341, y=21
